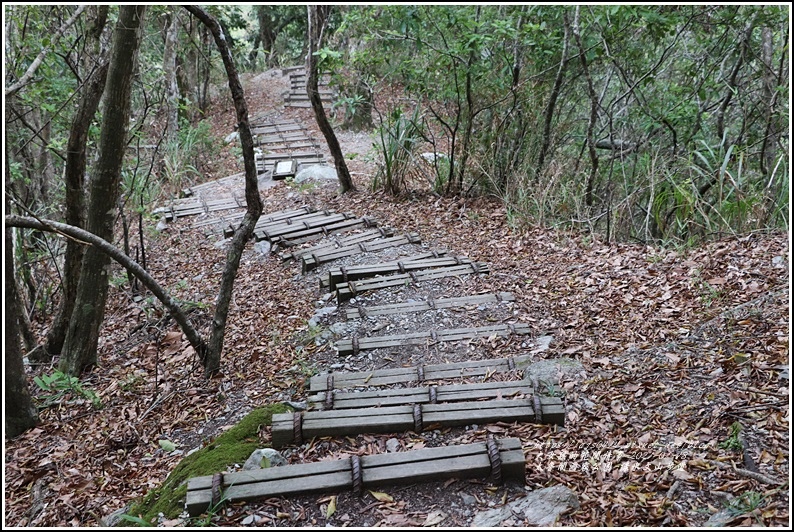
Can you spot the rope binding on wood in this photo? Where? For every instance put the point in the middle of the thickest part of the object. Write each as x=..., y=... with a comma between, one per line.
x=495, y=459
x=217, y=484
x=418, y=418
x=355, y=472
x=297, y=428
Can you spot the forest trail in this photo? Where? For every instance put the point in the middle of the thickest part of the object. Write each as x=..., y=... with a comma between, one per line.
x=676, y=348
x=350, y=341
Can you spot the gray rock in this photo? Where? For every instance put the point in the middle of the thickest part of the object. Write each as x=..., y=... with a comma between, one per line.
x=392, y=445
x=297, y=405
x=542, y=343
x=250, y=520
x=162, y=225
x=316, y=172
x=262, y=247
x=231, y=137
x=113, y=519
x=467, y=499
x=721, y=518
x=264, y=458
x=541, y=507
x=550, y=371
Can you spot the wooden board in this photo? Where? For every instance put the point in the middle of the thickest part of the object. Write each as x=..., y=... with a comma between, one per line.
x=419, y=395
x=353, y=346
x=311, y=260
x=390, y=419
x=348, y=291
x=418, y=374
x=279, y=217
x=337, y=243
x=431, y=304
x=284, y=230
x=453, y=461
x=430, y=259
x=315, y=233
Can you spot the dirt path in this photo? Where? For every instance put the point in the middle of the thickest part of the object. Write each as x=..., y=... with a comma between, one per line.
x=677, y=347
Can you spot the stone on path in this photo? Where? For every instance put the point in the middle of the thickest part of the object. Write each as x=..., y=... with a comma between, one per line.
x=264, y=458
x=541, y=507
x=549, y=371
x=316, y=172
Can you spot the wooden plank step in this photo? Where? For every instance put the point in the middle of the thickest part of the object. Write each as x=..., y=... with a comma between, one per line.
x=272, y=130
x=337, y=243
x=417, y=374
x=292, y=145
x=310, y=261
x=315, y=233
x=418, y=395
x=351, y=289
x=354, y=345
x=295, y=155
x=454, y=461
x=281, y=137
x=280, y=218
x=229, y=224
x=290, y=428
x=431, y=304
x=432, y=259
x=284, y=230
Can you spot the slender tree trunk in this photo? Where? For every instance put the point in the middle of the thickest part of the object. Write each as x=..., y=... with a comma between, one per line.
x=743, y=45
x=19, y=413
x=82, y=237
x=80, y=345
x=169, y=72
x=318, y=18
x=588, y=198
x=548, y=114
x=212, y=357
x=75, y=193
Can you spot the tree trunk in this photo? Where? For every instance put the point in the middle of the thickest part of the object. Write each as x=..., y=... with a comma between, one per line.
x=317, y=18
x=212, y=356
x=20, y=414
x=548, y=114
x=169, y=73
x=588, y=197
x=80, y=345
x=75, y=193
x=83, y=237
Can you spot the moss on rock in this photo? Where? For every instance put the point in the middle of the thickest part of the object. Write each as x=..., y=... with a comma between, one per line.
x=232, y=447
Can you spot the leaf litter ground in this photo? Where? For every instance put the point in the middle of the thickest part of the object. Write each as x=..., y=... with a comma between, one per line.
x=677, y=347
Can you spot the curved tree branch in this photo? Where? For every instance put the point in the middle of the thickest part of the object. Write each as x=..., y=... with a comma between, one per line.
x=252, y=197
x=83, y=236
x=25, y=79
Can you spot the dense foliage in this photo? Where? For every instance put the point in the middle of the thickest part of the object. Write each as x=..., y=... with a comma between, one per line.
x=648, y=122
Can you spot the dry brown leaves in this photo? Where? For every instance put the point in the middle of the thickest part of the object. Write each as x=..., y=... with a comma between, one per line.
x=678, y=346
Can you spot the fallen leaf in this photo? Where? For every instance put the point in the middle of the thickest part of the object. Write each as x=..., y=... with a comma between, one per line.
x=382, y=497
x=331, y=507
x=434, y=518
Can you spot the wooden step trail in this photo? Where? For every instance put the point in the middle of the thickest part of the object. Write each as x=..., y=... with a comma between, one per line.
x=445, y=393
x=316, y=233
x=354, y=345
x=353, y=288
x=423, y=261
x=497, y=460
x=298, y=427
x=423, y=306
x=312, y=260
x=297, y=220
x=483, y=369
x=337, y=243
